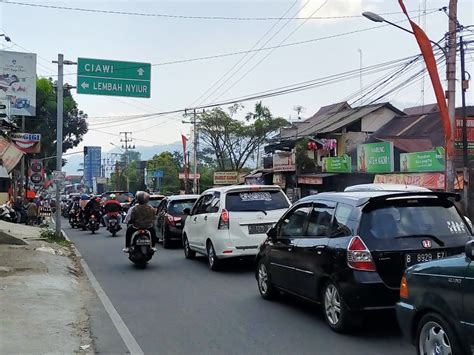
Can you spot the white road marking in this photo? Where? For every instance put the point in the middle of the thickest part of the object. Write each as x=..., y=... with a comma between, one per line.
x=122, y=329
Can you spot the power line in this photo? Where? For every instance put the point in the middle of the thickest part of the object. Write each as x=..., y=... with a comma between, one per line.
x=183, y=17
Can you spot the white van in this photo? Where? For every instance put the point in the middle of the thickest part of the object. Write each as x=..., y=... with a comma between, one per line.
x=232, y=221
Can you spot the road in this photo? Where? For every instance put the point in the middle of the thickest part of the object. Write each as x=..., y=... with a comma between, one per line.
x=178, y=306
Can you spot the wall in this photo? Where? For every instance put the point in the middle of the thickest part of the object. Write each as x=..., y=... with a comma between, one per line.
x=373, y=121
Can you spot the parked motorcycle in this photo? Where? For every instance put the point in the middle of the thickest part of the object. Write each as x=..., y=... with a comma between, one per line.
x=114, y=225
x=94, y=223
x=8, y=214
x=140, y=248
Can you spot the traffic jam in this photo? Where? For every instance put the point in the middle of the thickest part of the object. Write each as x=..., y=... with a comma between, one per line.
x=369, y=249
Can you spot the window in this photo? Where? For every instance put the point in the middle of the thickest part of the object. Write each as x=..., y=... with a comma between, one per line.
x=177, y=207
x=197, y=206
x=295, y=222
x=341, y=221
x=260, y=200
x=213, y=205
x=320, y=220
x=205, y=203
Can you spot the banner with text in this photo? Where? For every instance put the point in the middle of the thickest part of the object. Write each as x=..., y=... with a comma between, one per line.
x=432, y=181
x=341, y=164
x=375, y=157
x=423, y=161
x=458, y=143
x=226, y=177
x=26, y=142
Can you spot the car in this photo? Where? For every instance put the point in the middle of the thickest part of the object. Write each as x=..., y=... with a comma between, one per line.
x=231, y=221
x=349, y=250
x=171, y=217
x=386, y=187
x=155, y=200
x=436, y=308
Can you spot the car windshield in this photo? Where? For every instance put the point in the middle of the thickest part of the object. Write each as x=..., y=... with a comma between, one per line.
x=411, y=218
x=121, y=197
x=177, y=207
x=155, y=203
x=256, y=201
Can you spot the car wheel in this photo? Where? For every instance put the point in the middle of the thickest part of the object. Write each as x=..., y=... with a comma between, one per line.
x=212, y=259
x=267, y=290
x=165, y=237
x=436, y=336
x=188, y=252
x=336, y=313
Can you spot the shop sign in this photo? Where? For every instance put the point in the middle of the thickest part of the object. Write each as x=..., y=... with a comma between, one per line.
x=284, y=161
x=375, y=157
x=341, y=164
x=432, y=181
x=458, y=143
x=310, y=180
x=423, y=161
x=226, y=178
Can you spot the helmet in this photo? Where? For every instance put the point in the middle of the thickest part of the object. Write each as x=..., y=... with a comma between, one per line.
x=84, y=197
x=142, y=197
x=113, y=197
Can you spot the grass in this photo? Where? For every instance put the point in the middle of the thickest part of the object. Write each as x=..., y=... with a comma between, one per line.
x=50, y=236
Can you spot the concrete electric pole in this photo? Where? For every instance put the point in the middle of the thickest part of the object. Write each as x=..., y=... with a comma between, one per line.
x=126, y=146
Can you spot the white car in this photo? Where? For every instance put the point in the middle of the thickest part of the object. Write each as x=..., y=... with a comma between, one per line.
x=386, y=187
x=232, y=221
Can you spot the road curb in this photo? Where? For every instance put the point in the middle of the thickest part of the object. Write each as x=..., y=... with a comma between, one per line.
x=118, y=322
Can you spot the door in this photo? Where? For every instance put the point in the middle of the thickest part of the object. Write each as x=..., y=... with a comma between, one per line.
x=281, y=253
x=468, y=305
x=311, y=252
x=160, y=212
x=192, y=225
x=200, y=222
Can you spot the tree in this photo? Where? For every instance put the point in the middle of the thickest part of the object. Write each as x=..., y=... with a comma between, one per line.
x=232, y=141
x=75, y=125
x=166, y=163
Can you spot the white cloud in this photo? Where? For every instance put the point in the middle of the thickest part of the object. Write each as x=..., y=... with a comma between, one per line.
x=334, y=8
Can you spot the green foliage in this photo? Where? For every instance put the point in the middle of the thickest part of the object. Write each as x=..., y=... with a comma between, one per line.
x=50, y=236
x=231, y=141
x=75, y=125
x=303, y=162
x=166, y=162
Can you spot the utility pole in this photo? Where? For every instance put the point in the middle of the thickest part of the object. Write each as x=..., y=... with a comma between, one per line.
x=451, y=76
x=464, y=87
x=22, y=166
x=128, y=139
x=195, y=148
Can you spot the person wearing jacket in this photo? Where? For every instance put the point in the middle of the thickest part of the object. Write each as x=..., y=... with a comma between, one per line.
x=142, y=216
x=112, y=207
x=92, y=207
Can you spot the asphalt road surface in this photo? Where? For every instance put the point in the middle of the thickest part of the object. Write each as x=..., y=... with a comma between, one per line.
x=177, y=306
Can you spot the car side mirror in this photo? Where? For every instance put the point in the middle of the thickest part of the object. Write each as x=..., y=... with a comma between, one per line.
x=468, y=222
x=470, y=250
x=187, y=211
x=272, y=233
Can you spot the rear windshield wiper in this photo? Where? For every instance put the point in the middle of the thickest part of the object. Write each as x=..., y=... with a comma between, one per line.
x=264, y=212
x=435, y=238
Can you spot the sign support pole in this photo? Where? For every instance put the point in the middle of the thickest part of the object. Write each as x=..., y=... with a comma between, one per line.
x=59, y=140
x=22, y=191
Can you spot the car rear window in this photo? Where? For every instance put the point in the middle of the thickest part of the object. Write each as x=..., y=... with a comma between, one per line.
x=177, y=207
x=412, y=217
x=256, y=201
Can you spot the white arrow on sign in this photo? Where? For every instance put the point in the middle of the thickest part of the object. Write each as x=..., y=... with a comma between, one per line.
x=140, y=71
x=85, y=85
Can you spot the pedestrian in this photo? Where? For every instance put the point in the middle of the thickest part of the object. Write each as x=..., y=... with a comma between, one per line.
x=32, y=213
x=18, y=207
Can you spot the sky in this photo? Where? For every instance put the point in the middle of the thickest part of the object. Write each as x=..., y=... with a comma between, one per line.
x=159, y=40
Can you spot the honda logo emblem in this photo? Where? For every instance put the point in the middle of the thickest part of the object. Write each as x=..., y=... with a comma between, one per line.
x=426, y=244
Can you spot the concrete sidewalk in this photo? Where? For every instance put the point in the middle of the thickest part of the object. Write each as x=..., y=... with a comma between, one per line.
x=43, y=296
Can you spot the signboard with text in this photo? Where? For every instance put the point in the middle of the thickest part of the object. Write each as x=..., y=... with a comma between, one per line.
x=341, y=164
x=113, y=78
x=375, y=157
x=226, y=177
x=432, y=181
x=458, y=143
x=284, y=161
x=26, y=142
x=423, y=161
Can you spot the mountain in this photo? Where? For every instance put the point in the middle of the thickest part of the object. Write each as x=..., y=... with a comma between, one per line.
x=147, y=152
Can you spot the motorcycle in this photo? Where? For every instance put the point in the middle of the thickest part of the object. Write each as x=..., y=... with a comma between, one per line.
x=140, y=248
x=8, y=214
x=93, y=224
x=74, y=218
x=114, y=225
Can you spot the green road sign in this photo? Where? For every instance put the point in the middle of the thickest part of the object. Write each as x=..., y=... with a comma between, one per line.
x=113, y=78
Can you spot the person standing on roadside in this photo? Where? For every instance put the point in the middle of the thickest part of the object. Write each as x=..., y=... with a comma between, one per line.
x=32, y=213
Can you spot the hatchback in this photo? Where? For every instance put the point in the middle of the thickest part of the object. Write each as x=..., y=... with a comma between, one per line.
x=349, y=250
x=232, y=221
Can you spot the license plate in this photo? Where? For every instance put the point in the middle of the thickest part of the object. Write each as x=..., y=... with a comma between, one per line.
x=142, y=242
x=178, y=224
x=417, y=258
x=259, y=228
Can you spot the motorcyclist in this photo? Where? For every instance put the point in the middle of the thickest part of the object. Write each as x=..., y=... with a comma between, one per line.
x=142, y=216
x=112, y=207
x=92, y=207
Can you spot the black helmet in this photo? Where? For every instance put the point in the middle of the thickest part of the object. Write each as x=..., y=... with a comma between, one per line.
x=142, y=197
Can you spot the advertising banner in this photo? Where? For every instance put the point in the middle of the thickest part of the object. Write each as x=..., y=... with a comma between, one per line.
x=27, y=142
x=375, y=157
x=226, y=177
x=341, y=164
x=432, y=181
x=9, y=154
x=36, y=171
x=284, y=161
x=458, y=144
x=182, y=176
x=423, y=161
x=18, y=82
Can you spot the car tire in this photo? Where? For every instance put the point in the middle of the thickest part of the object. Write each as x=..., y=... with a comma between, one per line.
x=165, y=238
x=265, y=287
x=432, y=332
x=337, y=316
x=188, y=252
x=212, y=260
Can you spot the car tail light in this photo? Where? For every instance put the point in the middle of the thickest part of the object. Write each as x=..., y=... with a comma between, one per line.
x=358, y=256
x=172, y=220
x=224, y=220
x=404, y=288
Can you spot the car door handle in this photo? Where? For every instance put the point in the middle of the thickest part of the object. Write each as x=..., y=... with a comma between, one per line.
x=194, y=219
x=205, y=218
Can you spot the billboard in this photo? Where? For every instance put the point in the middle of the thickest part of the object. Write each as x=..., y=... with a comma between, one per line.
x=342, y=164
x=226, y=177
x=18, y=82
x=458, y=143
x=416, y=162
x=92, y=165
x=284, y=161
x=375, y=157
x=26, y=142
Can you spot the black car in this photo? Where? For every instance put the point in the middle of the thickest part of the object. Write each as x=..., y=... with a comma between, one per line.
x=171, y=217
x=436, y=311
x=349, y=250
